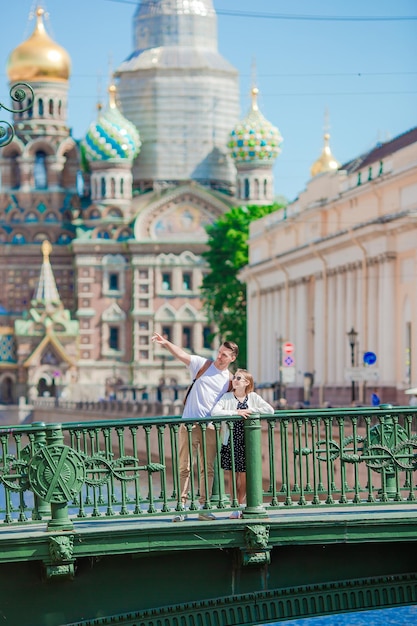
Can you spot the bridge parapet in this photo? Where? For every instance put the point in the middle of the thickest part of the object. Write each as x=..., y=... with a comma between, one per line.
x=83, y=497
x=315, y=458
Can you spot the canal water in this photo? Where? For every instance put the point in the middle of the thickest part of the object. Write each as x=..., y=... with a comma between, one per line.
x=397, y=616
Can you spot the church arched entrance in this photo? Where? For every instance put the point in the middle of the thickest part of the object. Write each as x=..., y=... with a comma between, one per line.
x=6, y=390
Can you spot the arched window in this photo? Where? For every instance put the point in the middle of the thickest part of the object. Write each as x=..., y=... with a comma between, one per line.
x=30, y=112
x=247, y=188
x=256, y=191
x=112, y=187
x=80, y=183
x=103, y=187
x=122, y=187
x=51, y=107
x=39, y=170
x=40, y=107
x=59, y=108
x=14, y=172
x=265, y=187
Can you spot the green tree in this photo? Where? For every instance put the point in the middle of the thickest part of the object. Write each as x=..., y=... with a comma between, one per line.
x=223, y=294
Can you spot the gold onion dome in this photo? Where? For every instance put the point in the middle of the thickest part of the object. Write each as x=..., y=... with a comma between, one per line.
x=326, y=161
x=39, y=58
x=254, y=139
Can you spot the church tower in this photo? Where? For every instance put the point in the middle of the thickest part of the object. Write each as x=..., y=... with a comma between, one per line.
x=254, y=145
x=109, y=148
x=38, y=172
x=43, y=156
x=181, y=94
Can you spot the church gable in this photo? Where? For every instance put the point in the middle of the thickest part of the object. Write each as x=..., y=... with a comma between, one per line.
x=181, y=215
x=49, y=352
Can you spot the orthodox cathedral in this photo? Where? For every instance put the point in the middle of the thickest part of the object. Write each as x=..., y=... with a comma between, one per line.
x=102, y=237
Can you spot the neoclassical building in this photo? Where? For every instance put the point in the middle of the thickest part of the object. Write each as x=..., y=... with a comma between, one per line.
x=335, y=275
x=122, y=212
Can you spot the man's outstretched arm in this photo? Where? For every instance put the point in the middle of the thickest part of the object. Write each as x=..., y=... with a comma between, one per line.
x=176, y=351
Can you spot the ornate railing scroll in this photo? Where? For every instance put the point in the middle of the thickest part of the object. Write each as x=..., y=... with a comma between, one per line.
x=18, y=93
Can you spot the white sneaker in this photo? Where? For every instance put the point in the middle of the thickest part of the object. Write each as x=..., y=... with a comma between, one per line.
x=206, y=517
x=180, y=518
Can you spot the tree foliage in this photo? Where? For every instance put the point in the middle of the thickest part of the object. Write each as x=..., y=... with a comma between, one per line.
x=223, y=294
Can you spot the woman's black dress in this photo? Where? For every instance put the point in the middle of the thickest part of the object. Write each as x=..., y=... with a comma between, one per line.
x=238, y=444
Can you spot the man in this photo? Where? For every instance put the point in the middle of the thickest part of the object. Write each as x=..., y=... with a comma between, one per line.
x=207, y=389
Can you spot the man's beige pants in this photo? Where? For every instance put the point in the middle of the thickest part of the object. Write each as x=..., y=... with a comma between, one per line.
x=197, y=449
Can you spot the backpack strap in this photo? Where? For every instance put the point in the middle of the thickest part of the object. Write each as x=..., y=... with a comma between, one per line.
x=200, y=372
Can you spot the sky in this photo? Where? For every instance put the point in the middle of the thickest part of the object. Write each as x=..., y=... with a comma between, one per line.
x=348, y=67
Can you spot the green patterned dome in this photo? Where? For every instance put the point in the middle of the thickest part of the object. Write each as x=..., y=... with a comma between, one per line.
x=254, y=139
x=111, y=136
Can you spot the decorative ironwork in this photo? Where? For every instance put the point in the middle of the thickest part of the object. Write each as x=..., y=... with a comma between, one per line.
x=56, y=473
x=18, y=93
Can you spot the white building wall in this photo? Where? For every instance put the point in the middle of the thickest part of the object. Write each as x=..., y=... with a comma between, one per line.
x=341, y=256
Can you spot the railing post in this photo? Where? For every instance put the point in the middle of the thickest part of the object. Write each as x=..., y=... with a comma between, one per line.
x=42, y=509
x=59, y=510
x=254, y=488
x=56, y=475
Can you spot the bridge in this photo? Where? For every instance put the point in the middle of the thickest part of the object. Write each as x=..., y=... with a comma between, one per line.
x=87, y=537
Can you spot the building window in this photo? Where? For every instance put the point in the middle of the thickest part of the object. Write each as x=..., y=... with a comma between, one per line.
x=143, y=274
x=144, y=288
x=207, y=337
x=114, y=338
x=144, y=354
x=247, y=189
x=166, y=331
x=143, y=304
x=166, y=281
x=114, y=282
x=186, y=281
x=113, y=275
x=143, y=340
x=143, y=325
x=186, y=337
x=39, y=171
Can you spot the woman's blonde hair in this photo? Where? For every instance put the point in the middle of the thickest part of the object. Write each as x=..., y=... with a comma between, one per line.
x=251, y=385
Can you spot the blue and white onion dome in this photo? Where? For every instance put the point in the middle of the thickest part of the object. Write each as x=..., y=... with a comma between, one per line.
x=111, y=136
x=254, y=138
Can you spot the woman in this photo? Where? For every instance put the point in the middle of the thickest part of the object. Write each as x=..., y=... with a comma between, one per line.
x=243, y=401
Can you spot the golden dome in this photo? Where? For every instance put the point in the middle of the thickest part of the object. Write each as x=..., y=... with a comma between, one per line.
x=39, y=58
x=326, y=161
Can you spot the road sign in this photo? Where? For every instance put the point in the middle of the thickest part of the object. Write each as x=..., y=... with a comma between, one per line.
x=369, y=358
x=361, y=373
x=287, y=375
x=288, y=347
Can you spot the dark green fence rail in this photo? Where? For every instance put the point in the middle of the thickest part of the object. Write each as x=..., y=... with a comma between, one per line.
x=312, y=458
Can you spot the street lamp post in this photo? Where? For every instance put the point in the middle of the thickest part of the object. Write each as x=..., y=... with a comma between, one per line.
x=352, y=334
x=280, y=342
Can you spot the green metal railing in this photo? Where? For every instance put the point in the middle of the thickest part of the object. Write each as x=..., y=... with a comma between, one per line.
x=312, y=458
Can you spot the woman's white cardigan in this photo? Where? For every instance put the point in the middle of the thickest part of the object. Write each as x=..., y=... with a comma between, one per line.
x=227, y=406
